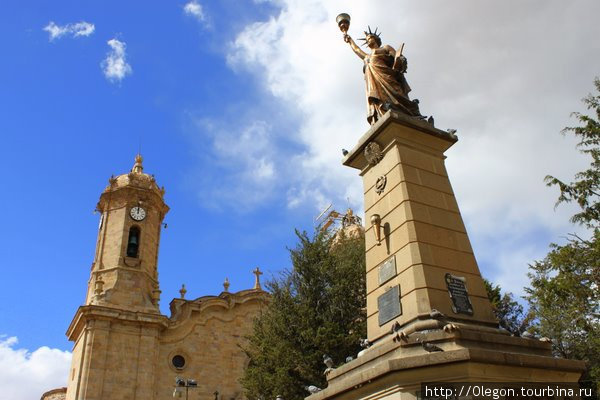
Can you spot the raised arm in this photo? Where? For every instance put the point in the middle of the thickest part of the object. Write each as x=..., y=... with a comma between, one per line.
x=355, y=47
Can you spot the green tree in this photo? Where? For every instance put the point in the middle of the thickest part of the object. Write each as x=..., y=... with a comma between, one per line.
x=564, y=296
x=564, y=290
x=585, y=189
x=316, y=308
x=509, y=312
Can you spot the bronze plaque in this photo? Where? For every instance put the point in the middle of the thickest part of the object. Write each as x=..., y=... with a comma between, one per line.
x=387, y=270
x=388, y=305
x=457, y=289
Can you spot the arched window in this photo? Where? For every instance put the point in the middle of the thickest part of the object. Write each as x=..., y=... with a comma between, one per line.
x=133, y=243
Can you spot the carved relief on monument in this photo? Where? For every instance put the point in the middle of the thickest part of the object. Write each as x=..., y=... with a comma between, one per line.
x=373, y=153
x=380, y=184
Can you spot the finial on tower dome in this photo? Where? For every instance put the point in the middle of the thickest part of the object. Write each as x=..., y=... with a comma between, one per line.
x=138, y=168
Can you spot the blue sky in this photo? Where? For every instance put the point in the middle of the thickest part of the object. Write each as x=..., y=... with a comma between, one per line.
x=67, y=128
x=241, y=109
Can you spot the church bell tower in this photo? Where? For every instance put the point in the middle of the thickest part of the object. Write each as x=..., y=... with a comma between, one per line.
x=116, y=331
x=124, y=272
x=123, y=347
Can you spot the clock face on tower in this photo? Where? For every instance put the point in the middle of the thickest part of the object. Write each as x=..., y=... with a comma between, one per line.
x=137, y=213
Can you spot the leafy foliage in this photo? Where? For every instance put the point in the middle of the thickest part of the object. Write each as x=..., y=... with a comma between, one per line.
x=585, y=190
x=564, y=291
x=316, y=308
x=564, y=296
x=509, y=312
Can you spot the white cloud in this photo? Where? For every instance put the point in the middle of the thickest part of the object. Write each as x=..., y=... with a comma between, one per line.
x=247, y=163
x=264, y=169
x=76, y=29
x=115, y=66
x=26, y=375
x=506, y=79
x=194, y=9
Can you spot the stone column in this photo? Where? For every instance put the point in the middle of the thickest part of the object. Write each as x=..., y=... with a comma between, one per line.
x=423, y=236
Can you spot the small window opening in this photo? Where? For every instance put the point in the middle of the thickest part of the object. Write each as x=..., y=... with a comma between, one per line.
x=178, y=361
x=133, y=243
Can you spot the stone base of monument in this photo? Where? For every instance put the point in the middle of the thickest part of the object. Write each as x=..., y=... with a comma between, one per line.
x=396, y=369
x=428, y=314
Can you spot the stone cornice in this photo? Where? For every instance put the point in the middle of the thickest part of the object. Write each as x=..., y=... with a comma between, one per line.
x=182, y=310
x=460, y=346
x=356, y=159
x=129, y=269
x=430, y=360
x=54, y=391
x=95, y=312
x=121, y=197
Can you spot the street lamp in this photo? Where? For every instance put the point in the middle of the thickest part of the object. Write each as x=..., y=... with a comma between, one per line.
x=181, y=384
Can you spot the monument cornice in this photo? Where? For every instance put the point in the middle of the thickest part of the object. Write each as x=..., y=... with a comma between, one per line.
x=355, y=157
x=361, y=372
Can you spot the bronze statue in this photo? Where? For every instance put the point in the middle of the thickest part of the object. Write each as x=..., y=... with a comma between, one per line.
x=384, y=71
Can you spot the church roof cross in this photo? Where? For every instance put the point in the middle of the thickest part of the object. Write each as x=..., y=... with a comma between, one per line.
x=257, y=273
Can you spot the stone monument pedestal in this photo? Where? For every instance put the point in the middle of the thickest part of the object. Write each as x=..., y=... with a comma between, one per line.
x=428, y=315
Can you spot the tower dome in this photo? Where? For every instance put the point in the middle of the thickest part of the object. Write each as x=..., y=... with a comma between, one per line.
x=136, y=178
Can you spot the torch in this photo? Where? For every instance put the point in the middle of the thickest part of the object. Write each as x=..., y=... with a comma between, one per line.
x=343, y=21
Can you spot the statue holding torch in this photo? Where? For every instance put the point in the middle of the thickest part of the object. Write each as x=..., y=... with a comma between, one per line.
x=384, y=70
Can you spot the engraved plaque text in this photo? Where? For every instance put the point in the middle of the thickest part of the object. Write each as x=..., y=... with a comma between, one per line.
x=388, y=305
x=457, y=290
x=387, y=270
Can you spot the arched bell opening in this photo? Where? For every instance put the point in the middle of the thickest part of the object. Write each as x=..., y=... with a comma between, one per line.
x=133, y=242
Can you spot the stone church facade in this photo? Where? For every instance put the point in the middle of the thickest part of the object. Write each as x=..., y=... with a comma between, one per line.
x=124, y=348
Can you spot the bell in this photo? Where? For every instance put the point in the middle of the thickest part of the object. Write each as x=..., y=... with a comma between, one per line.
x=132, y=244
